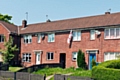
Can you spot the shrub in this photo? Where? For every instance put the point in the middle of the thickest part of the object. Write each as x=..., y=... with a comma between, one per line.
x=81, y=59
x=93, y=62
x=107, y=70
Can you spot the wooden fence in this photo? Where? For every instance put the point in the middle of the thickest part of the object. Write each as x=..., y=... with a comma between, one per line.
x=21, y=76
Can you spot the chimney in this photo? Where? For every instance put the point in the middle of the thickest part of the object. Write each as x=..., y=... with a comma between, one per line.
x=107, y=12
x=48, y=20
x=24, y=24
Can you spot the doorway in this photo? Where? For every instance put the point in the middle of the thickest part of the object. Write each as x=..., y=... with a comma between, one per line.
x=91, y=57
x=37, y=57
x=63, y=60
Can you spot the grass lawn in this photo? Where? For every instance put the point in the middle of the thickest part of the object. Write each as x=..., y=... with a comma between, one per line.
x=13, y=69
x=75, y=72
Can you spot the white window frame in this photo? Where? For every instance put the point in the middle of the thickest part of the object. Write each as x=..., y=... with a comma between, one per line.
x=51, y=37
x=76, y=35
x=74, y=56
x=51, y=57
x=26, y=57
x=110, y=55
x=115, y=36
x=27, y=37
x=2, y=38
x=39, y=38
x=92, y=34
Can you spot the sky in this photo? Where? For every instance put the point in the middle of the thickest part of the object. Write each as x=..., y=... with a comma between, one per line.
x=55, y=9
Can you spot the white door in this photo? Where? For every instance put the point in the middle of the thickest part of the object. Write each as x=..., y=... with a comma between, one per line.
x=37, y=58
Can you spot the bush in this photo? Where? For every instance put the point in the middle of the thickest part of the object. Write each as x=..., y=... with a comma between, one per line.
x=109, y=70
x=93, y=62
x=81, y=60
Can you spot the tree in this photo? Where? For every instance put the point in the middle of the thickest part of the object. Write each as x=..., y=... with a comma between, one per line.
x=81, y=60
x=5, y=18
x=7, y=53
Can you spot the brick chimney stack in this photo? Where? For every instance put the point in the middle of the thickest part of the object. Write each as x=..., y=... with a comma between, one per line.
x=107, y=12
x=24, y=24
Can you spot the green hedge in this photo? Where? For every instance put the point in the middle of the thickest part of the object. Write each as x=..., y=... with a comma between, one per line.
x=109, y=70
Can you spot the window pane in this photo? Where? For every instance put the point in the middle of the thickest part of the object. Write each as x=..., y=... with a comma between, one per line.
x=117, y=33
x=111, y=56
x=48, y=55
x=79, y=35
x=74, y=55
x=112, y=33
x=106, y=33
x=51, y=55
x=76, y=35
x=92, y=34
x=106, y=56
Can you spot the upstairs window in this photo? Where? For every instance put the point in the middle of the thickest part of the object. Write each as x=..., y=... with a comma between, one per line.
x=1, y=38
x=27, y=38
x=50, y=56
x=74, y=56
x=76, y=35
x=51, y=37
x=92, y=34
x=26, y=57
x=112, y=33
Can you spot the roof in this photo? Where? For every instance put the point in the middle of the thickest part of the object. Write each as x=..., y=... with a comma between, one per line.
x=84, y=22
x=10, y=27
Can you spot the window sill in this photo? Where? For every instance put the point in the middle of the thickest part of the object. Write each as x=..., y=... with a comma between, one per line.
x=111, y=38
x=76, y=40
x=50, y=59
x=74, y=60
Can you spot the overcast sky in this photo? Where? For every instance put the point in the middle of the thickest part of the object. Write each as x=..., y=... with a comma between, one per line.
x=55, y=9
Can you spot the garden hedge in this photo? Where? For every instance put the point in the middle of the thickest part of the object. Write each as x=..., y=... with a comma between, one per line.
x=109, y=70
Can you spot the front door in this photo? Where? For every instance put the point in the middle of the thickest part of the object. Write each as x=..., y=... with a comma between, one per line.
x=63, y=60
x=91, y=56
x=37, y=57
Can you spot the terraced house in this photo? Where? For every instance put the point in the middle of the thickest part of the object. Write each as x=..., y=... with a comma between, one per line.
x=97, y=36
x=59, y=41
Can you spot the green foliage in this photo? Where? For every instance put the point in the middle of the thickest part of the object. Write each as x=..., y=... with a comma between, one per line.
x=81, y=60
x=5, y=18
x=93, y=62
x=109, y=70
x=8, y=51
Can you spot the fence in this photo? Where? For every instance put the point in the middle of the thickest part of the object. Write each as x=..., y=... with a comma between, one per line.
x=21, y=76
x=4, y=67
x=67, y=77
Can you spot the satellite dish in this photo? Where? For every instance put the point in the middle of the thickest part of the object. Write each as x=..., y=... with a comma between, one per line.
x=97, y=32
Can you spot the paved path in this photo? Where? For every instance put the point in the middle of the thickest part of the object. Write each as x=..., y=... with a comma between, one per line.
x=47, y=78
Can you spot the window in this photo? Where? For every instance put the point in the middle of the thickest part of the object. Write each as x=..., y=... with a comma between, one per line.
x=27, y=38
x=50, y=56
x=1, y=38
x=76, y=35
x=51, y=37
x=112, y=33
x=111, y=56
x=74, y=56
x=39, y=38
x=26, y=57
x=92, y=34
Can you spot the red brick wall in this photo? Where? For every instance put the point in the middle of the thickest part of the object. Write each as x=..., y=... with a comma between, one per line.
x=61, y=46
x=4, y=32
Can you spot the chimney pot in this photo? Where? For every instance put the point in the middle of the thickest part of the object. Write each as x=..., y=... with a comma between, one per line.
x=107, y=12
x=24, y=23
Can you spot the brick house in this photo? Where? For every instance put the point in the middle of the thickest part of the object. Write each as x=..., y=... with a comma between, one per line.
x=97, y=36
x=8, y=30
